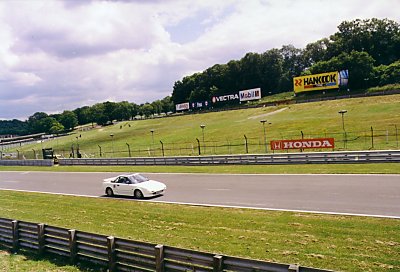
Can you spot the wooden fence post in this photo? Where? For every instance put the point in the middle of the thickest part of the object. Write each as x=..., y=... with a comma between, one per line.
x=41, y=238
x=112, y=258
x=159, y=251
x=14, y=227
x=73, y=251
x=217, y=263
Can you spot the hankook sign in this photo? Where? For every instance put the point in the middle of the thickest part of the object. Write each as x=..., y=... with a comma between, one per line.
x=316, y=82
x=303, y=143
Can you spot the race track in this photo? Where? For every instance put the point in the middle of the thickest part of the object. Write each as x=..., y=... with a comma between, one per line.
x=377, y=195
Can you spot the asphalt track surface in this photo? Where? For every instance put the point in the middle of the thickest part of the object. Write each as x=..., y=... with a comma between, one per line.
x=372, y=195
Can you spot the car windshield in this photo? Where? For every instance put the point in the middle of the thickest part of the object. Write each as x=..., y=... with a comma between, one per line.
x=138, y=178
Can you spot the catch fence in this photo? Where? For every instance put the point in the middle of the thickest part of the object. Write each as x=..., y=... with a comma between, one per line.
x=371, y=139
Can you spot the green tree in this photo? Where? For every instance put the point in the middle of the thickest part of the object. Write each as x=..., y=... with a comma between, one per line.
x=293, y=64
x=34, y=122
x=157, y=106
x=271, y=69
x=13, y=127
x=167, y=105
x=147, y=110
x=83, y=115
x=315, y=52
x=134, y=110
x=387, y=74
x=109, y=108
x=122, y=111
x=359, y=64
x=380, y=38
x=68, y=119
x=56, y=128
x=98, y=115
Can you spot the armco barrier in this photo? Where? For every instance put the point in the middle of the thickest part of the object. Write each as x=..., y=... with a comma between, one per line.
x=116, y=254
x=26, y=162
x=267, y=159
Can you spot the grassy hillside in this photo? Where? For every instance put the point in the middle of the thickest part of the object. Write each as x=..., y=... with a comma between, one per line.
x=224, y=131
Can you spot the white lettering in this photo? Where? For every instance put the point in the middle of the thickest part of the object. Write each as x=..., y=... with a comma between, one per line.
x=317, y=144
x=306, y=144
x=297, y=144
x=300, y=144
x=326, y=143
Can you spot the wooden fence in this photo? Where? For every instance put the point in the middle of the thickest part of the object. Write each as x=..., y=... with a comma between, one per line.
x=117, y=254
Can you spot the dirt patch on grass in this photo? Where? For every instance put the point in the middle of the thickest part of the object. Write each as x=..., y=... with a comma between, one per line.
x=267, y=114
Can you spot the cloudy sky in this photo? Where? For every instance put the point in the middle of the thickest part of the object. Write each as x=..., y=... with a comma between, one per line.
x=61, y=55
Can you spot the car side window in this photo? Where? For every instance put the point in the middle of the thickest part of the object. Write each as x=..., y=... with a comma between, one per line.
x=133, y=180
x=121, y=180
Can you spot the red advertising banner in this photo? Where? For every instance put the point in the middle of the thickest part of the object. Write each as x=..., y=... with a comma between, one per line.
x=303, y=143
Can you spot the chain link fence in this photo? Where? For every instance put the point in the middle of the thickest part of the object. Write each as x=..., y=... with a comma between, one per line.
x=372, y=139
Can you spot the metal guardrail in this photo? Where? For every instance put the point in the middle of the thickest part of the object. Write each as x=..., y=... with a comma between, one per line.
x=26, y=162
x=267, y=159
x=117, y=254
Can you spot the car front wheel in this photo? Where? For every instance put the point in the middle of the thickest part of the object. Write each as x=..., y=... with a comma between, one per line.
x=109, y=192
x=138, y=194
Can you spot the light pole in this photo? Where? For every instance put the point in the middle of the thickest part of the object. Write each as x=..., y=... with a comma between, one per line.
x=152, y=135
x=152, y=139
x=77, y=147
x=202, y=130
x=397, y=135
x=265, y=134
x=342, y=112
x=112, y=143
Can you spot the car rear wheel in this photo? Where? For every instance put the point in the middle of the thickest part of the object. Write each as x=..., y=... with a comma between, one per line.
x=138, y=194
x=109, y=192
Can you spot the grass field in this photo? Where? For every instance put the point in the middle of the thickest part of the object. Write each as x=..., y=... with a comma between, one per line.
x=341, y=243
x=224, y=131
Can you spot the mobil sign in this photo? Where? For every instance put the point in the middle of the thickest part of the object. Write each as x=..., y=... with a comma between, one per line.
x=252, y=94
x=303, y=143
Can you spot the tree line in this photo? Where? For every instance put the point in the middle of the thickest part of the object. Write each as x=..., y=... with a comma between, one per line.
x=100, y=113
x=369, y=49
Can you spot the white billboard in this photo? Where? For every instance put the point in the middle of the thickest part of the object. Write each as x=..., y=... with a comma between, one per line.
x=252, y=94
x=181, y=107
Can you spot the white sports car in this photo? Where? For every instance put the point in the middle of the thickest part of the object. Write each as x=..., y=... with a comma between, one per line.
x=135, y=185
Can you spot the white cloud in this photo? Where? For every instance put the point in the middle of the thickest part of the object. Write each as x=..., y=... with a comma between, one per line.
x=58, y=55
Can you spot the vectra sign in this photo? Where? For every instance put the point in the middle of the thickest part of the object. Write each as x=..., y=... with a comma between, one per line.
x=224, y=98
x=303, y=144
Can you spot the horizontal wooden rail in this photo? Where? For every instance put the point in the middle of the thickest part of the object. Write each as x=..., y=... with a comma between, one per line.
x=116, y=254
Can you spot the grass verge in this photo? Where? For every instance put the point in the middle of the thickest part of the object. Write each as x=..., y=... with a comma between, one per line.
x=342, y=243
x=371, y=168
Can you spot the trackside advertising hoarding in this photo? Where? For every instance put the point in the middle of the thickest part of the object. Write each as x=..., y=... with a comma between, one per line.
x=181, y=107
x=225, y=98
x=252, y=94
x=316, y=82
x=303, y=143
